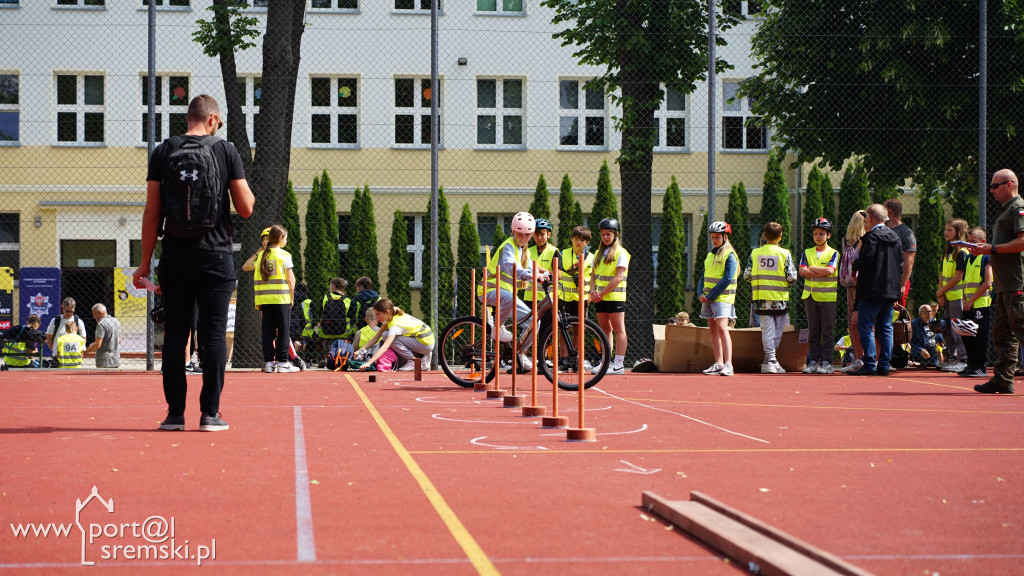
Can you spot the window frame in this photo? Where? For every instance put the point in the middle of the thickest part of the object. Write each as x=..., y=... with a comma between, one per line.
x=14, y=108
x=165, y=5
x=743, y=112
x=500, y=112
x=334, y=111
x=80, y=109
x=416, y=248
x=663, y=115
x=79, y=5
x=499, y=9
x=582, y=113
x=250, y=109
x=418, y=111
x=164, y=109
x=334, y=8
x=419, y=11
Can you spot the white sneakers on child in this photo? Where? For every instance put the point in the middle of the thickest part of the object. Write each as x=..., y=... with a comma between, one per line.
x=772, y=367
x=284, y=367
x=714, y=368
x=811, y=368
x=726, y=370
x=825, y=368
x=269, y=367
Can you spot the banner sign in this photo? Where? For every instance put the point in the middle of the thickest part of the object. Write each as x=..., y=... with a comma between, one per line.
x=39, y=293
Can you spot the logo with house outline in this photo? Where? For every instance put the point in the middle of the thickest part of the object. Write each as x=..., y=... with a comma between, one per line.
x=79, y=506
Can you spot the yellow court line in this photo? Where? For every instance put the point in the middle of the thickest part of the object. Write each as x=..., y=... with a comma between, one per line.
x=716, y=450
x=462, y=536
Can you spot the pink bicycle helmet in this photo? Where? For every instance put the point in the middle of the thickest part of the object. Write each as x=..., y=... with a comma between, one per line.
x=524, y=223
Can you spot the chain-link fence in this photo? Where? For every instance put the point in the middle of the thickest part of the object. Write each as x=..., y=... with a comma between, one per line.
x=572, y=109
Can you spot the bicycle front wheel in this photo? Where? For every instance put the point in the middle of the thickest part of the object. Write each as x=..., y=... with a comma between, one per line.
x=461, y=352
x=596, y=354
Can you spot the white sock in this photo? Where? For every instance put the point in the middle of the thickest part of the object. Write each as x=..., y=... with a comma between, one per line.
x=618, y=359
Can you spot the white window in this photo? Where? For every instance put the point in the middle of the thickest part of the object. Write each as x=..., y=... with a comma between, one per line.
x=414, y=236
x=744, y=8
x=10, y=108
x=10, y=242
x=740, y=129
x=582, y=115
x=672, y=120
x=172, y=98
x=415, y=5
x=250, y=89
x=344, y=233
x=81, y=2
x=9, y=3
x=334, y=4
x=500, y=6
x=170, y=3
x=412, y=111
x=499, y=114
x=335, y=114
x=260, y=4
x=485, y=228
x=81, y=112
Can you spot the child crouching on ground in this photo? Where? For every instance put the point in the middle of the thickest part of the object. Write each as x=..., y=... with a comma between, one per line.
x=403, y=334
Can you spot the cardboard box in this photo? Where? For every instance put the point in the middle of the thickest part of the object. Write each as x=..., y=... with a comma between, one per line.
x=688, y=349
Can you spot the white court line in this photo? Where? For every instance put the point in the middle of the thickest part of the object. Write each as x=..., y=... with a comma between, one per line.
x=726, y=430
x=439, y=417
x=640, y=429
x=428, y=400
x=303, y=508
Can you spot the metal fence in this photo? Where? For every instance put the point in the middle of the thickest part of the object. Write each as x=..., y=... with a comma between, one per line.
x=571, y=109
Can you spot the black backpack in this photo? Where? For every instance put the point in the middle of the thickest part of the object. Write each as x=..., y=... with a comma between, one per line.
x=190, y=192
x=335, y=318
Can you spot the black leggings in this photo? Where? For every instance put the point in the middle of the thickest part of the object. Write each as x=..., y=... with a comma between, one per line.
x=276, y=318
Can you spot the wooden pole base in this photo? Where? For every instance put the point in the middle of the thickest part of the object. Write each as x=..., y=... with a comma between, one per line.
x=417, y=369
x=482, y=387
x=373, y=378
x=534, y=411
x=581, y=435
x=555, y=422
x=495, y=394
x=514, y=401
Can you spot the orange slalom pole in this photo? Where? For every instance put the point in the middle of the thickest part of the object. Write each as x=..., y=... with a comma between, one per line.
x=533, y=372
x=579, y=327
x=482, y=385
x=515, y=347
x=497, y=332
x=554, y=344
x=472, y=303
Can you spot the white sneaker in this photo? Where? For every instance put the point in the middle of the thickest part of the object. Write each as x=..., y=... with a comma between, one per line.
x=853, y=367
x=766, y=368
x=616, y=370
x=825, y=368
x=525, y=362
x=812, y=368
x=777, y=368
x=726, y=370
x=587, y=366
x=283, y=367
x=504, y=335
x=714, y=368
x=268, y=367
x=409, y=366
x=596, y=369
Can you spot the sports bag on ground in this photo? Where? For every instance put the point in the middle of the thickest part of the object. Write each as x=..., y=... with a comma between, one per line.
x=190, y=192
x=338, y=355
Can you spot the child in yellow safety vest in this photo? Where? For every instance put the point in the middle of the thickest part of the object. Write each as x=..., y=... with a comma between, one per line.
x=951, y=291
x=274, y=287
x=820, y=268
x=70, y=346
x=977, y=305
x=718, y=296
x=407, y=336
x=608, y=290
x=770, y=272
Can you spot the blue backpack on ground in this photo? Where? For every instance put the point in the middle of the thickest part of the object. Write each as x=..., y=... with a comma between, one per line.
x=338, y=354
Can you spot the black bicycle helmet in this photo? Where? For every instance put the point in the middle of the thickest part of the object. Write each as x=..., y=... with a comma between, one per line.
x=609, y=224
x=823, y=223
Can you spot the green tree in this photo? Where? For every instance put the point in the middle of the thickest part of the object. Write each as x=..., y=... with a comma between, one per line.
x=540, y=207
x=321, y=253
x=828, y=196
x=641, y=45
x=853, y=193
x=567, y=214
x=813, y=208
x=868, y=86
x=499, y=236
x=605, y=206
x=469, y=259
x=291, y=223
x=399, y=271
x=961, y=193
x=738, y=217
x=669, y=298
x=363, y=260
x=445, y=263
x=925, y=278
x=698, y=274
x=775, y=199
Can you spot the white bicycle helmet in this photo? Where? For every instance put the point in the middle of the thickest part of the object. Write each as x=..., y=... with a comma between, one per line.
x=720, y=227
x=524, y=223
x=965, y=327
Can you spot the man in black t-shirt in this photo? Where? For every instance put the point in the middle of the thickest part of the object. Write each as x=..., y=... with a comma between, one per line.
x=894, y=208
x=195, y=272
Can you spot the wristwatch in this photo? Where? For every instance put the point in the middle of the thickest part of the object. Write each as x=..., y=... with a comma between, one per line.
x=994, y=251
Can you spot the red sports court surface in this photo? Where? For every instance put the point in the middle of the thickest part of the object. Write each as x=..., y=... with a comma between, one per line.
x=325, y=473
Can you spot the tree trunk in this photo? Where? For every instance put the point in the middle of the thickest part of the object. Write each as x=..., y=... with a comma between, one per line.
x=268, y=176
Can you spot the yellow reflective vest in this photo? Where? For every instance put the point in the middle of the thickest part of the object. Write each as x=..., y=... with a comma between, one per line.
x=947, y=273
x=567, y=287
x=604, y=273
x=413, y=327
x=821, y=289
x=543, y=263
x=16, y=354
x=506, y=280
x=768, y=273
x=973, y=280
x=69, y=350
x=713, y=273
x=274, y=289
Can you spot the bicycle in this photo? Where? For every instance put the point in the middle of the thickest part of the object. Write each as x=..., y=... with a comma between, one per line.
x=461, y=358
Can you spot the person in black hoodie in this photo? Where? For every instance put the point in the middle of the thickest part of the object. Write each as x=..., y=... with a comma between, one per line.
x=879, y=268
